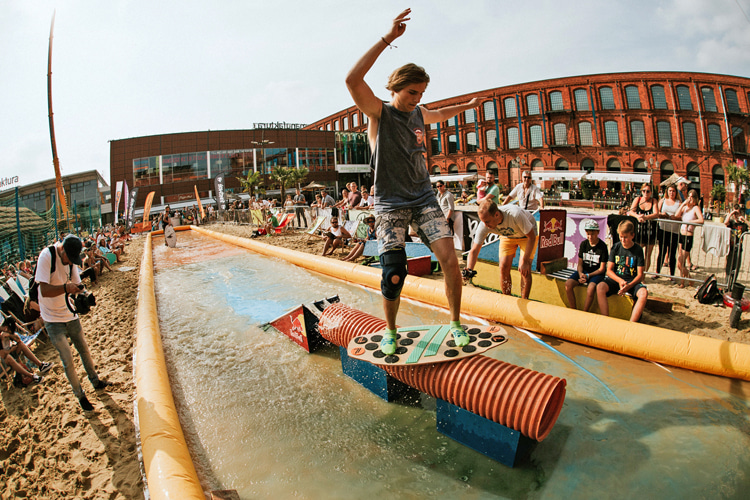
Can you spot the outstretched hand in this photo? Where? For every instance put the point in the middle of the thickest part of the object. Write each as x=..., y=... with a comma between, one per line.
x=399, y=26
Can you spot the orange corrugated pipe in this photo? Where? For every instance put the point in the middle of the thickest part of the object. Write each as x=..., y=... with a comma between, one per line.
x=516, y=397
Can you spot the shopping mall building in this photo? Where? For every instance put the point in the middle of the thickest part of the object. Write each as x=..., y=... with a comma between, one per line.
x=656, y=123
x=646, y=122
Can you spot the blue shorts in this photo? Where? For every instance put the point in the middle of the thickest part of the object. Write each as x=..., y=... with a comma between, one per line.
x=592, y=279
x=614, y=288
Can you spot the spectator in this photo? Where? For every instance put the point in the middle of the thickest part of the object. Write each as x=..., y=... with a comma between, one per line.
x=359, y=248
x=57, y=275
x=334, y=237
x=625, y=269
x=446, y=202
x=644, y=209
x=488, y=190
x=591, y=268
x=669, y=232
x=367, y=202
x=529, y=196
x=11, y=345
x=737, y=224
x=354, y=195
x=299, y=207
x=689, y=211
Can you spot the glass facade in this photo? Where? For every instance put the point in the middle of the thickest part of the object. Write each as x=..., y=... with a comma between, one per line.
x=184, y=167
x=146, y=171
x=35, y=201
x=351, y=149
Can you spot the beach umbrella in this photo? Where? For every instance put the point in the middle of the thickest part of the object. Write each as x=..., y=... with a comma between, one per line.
x=313, y=185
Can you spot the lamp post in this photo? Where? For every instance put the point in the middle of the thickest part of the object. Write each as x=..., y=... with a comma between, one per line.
x=262, y=143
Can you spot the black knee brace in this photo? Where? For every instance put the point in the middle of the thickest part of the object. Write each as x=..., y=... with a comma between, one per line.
x=393, y=263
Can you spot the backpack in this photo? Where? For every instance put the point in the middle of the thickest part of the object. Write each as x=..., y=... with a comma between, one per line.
x=709, y=292
x=33, y=285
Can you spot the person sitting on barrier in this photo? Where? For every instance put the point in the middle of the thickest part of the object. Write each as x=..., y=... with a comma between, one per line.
x=625, y=270
x=403, y=193
x=11, y=345
x=334, y=237
x=737, y=224
x=689, y=211
x=592, y=265
x=517, y=229
x=359, y=248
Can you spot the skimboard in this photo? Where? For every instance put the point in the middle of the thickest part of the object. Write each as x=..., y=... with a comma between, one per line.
x=426, y=344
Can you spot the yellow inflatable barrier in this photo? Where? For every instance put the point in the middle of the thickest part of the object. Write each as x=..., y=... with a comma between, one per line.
x=170, y=472
x=694, y=352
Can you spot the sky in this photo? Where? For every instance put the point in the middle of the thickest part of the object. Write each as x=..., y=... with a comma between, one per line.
x=129, y=68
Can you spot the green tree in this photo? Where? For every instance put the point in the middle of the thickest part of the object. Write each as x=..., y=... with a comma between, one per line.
x=288, y=176
x=718, y=193
x=739, y=176
x=253, y=181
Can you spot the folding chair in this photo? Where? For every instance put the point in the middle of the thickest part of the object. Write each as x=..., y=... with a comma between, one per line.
x=284, y=223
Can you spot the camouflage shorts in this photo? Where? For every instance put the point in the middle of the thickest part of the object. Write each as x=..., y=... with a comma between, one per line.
x=428, y=221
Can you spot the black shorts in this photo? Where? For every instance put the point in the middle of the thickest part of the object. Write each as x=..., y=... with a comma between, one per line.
x=614, y=288
x=686, y=242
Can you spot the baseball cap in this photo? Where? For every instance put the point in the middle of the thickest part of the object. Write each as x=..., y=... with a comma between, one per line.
x=73, y=246
x=590, y=225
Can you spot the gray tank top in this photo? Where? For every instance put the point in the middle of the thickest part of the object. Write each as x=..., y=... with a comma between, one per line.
x=401, y=177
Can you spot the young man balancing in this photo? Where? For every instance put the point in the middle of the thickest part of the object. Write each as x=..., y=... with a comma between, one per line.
x=403, y=193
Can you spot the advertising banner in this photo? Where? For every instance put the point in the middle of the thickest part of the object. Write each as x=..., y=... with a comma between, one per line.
x=221, y=197
x=125, y=200
x=118, y=195
x=200, y=205
x=147, y=206
x=131, y=207
x=551, y=244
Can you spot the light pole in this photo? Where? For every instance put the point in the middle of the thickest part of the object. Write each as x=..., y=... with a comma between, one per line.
x=262, y=143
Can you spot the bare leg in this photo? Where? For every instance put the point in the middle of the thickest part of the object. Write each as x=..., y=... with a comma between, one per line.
x=590, y=294
x=569, y=291
x=390, y=308
x=19, y=368
x=601, y=295
x=506, y=284
x=446, y=255
x=30, y=355
x=640, y=304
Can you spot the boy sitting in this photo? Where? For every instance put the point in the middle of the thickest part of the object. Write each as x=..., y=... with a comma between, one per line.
x=592, y=265
x=625, y=270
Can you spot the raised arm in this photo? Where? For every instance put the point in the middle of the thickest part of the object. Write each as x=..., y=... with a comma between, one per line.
x=362, y=94
x=442, y=114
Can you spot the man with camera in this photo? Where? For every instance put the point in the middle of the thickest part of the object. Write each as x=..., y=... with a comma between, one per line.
x=57, y=275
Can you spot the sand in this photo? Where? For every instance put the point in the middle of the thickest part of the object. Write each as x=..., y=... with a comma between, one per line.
x=52, y=449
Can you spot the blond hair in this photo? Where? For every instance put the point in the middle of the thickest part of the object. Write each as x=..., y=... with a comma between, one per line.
x=407, y=75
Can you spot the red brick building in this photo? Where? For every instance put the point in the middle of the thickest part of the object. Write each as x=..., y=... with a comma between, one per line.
x=647, y=122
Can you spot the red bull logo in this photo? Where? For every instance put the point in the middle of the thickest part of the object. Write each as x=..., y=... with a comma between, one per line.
x=553, y=225
x=298, y=327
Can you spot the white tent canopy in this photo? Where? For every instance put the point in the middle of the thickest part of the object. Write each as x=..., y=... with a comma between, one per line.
x=618, y=177
x=453, y=178
x=558, y=175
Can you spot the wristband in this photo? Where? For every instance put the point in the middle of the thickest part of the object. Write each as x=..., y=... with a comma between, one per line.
x=388, y=44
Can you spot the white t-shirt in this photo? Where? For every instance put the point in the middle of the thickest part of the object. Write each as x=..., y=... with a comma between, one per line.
x=53, y=309
x=517, y=223
x=528, y=200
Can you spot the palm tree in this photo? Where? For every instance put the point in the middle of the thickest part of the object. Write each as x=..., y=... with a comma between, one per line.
x=737, y=175
x=251, y=182
x=288, y=176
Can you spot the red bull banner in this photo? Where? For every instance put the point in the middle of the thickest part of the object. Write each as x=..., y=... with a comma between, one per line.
x=292, y=324
x=551, y=243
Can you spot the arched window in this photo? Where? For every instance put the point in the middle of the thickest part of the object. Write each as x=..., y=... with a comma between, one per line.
x=492, y=167
x=582, y=99
x=664, y=133
x=355, y=120
x=537, y=164
x=510, y=107
x=453, y=168
x=471, y=167
x=586, y=138
x=607, y=98
x=633, y=97
x=733, y=104
x=513, y=141
x=532, y=104
x=639, y=166
x=561, y=134
x=471, y=142
x=667, y=169
x=346, y=123
x=434, y=146
x=637, y=133
x=709, y=99
x=451, y=121
x=690, y=135
x=561, y=164
x=738, y=140
x=588, y=165
x=556, y=100
x=535, y=133
x=328, y=127
x=452, y=144
x=336, y=125
x=611, y=133
x=436, y=170
x=613, y=165
x=489, y=110
x=658, y=96
x=683, y=97
x=717, y=175
x=714, y=136
x=470, y=115
x=694, y=176
x=491, y=137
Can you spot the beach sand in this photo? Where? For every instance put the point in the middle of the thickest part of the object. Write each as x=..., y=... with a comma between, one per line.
x=52, y=449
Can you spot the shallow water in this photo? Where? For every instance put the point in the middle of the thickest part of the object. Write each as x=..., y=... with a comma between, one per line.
x=265, y=418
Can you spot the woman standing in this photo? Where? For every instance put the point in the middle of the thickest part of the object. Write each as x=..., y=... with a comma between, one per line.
x=644, y=209
x=669, y=232
x=689, y=211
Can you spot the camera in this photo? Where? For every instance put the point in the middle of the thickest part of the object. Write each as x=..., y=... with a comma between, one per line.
x=80, y=303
